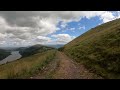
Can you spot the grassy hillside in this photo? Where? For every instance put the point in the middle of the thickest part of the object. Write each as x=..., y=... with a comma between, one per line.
x=27, y=66
x=4, y=54
x=27, y=51
x=98, y=49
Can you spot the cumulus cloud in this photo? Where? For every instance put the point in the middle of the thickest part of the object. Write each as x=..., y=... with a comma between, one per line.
x=42, y=39
x=63, y=25
x=62, y=38
x=107, y=16
x=2, y=36
x=45, y=26
x=28, y=27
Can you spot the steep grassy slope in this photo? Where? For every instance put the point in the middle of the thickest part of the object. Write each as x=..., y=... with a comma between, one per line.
x=27, y=66
x=98, y=49
x=4, y=54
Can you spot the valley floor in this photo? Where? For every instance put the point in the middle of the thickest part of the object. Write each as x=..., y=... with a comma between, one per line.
x=62, y=67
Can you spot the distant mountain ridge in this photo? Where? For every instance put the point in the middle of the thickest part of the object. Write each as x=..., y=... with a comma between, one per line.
x=27, y=51
x=24, y=51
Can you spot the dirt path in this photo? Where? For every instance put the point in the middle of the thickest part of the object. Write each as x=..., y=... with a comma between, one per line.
x=65, y=68
x=68, y=69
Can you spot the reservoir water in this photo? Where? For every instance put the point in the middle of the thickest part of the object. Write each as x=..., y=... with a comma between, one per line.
x=14, y=56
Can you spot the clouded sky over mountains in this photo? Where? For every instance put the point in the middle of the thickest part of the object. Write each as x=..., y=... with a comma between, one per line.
x=22, y=28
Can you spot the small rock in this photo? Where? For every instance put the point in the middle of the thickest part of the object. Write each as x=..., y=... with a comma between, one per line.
x=31, y=77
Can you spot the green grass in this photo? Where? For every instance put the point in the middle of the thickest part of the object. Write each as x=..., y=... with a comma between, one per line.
x=98, y=49
x=26, y=67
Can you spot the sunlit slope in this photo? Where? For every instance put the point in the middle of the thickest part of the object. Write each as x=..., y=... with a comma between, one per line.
x=98, y=49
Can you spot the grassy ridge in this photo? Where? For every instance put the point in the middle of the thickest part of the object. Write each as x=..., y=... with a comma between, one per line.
x=98, y=49
x=28, y=51
x=27, y=66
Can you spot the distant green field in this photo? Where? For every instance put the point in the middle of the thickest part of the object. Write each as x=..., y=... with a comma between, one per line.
x=98, y=49
x=27, y=66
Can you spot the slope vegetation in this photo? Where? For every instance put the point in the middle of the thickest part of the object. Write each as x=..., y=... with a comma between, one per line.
x=98, y=49
x=34, y=58
x=27, y=66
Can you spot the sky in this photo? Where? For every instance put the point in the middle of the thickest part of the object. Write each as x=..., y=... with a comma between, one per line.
x=24, y=28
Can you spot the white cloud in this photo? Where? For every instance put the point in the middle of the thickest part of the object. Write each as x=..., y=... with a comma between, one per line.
x=62, y=38
x=107, y=16
x=24, y=27
x=118, y=14
x=45, y=26
x=2, y=36
x=42, y=38
x=63, y=25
